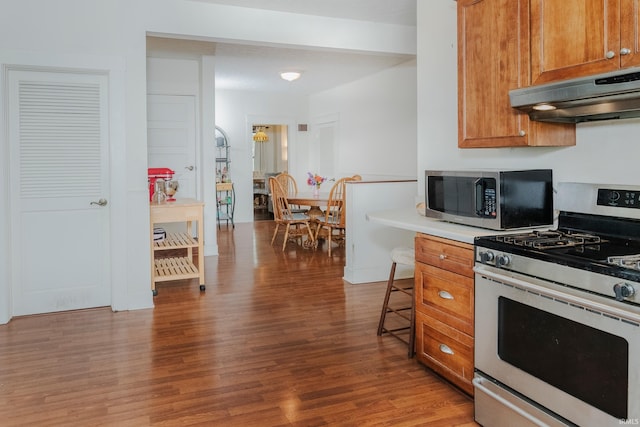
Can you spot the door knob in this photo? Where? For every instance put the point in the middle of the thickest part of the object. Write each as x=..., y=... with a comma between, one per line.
x=101, y=202
x=189, y=168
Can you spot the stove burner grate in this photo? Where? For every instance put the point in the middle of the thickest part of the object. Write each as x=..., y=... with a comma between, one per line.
x=626, y=261
x=549, y=239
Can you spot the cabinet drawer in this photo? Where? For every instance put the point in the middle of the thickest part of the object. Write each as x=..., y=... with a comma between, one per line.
x=447, y=351
x=446, y=254
x=446, y=296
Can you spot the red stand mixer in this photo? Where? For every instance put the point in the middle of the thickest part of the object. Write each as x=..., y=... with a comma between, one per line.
x=154, y=174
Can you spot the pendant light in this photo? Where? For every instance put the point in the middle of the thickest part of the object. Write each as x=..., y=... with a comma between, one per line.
x=260, y=136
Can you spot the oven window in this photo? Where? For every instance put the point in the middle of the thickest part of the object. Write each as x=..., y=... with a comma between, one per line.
x=585, y=362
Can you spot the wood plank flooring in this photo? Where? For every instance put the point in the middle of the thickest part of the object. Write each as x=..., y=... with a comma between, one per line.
x=277, y=339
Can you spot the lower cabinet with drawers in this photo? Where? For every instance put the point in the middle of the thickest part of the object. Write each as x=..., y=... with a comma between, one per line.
x=444, y=293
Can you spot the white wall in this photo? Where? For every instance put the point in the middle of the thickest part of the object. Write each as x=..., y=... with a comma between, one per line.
x=605, y=152
x=96, y=34
x=369, y=244
x=377, y=122
x=173, y=76
x=195, y=19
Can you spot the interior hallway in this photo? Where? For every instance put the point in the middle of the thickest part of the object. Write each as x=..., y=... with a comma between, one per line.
x=277, y=339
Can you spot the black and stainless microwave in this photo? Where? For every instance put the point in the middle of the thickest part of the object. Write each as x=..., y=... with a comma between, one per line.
x=494, y=199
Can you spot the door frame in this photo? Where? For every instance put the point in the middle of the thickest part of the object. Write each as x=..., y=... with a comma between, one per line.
x=292, y=148
x=114, y=69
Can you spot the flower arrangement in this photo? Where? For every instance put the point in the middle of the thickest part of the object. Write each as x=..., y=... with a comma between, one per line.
x=315, y=180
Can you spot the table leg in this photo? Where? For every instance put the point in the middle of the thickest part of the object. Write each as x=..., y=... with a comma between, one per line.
x=315, y=212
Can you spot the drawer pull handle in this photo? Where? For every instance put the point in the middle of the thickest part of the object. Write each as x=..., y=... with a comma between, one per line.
x=446, y=349
x=443, y=256
x=445, y=295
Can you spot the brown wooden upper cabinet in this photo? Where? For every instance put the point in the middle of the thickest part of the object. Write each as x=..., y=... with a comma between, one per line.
x=575, y=38
x=493, y=58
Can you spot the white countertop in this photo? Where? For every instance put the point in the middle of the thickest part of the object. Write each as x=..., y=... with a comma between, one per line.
x=409, y=219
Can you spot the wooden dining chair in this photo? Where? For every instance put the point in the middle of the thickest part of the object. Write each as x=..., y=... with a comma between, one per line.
x=288, y=183
x=296, y=224
x=332, y=226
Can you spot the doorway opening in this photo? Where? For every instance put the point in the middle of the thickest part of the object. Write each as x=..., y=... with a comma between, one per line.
x=270, y=157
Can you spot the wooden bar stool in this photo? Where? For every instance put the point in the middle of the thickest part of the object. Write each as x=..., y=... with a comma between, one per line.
x=400, y=306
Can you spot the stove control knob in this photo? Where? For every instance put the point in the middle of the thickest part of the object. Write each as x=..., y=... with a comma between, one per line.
x=623, y=290
x=503, y=260
x=486, y=257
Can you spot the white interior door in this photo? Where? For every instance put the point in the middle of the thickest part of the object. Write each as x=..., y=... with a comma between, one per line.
x=58, y=139
x=171, y=139
x=322, y=150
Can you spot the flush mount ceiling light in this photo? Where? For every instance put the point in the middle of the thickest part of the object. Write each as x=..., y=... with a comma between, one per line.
x=290, y=75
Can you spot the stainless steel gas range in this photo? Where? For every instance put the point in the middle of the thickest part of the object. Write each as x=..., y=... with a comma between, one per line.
x=557, y=316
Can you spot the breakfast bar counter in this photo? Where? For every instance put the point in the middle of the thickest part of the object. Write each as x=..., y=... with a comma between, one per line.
x=410, y=219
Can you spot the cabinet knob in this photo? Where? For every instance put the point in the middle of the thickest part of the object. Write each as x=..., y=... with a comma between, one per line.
x=610, y=54
x=443, y=256
x=625, y=51
x=445, y=295
x=445, y=349
x=522, y=133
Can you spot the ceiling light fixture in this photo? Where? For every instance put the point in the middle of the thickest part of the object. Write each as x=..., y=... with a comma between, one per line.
x=260, y=136
x=290, y=75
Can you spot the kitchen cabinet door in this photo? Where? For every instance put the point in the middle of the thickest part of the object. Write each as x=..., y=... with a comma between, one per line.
x=444, y=303
x=446, y=351
x=574, y=38
x=630, y=33
x=493, y=58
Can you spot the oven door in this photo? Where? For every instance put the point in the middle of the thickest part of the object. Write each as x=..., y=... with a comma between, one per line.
x=545, y=346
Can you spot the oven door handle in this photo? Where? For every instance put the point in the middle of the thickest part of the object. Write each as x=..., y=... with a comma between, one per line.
x=478, y=383
x=560, y=296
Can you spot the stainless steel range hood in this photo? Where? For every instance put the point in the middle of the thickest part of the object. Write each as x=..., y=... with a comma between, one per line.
x=607, y=96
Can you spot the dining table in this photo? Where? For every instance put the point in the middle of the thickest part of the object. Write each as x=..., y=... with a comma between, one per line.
x=314, y=201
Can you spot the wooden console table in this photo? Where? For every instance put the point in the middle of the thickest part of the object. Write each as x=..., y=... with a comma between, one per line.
x=170, y=267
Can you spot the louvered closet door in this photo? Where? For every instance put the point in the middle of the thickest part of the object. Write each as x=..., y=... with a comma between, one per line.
x=59, y=154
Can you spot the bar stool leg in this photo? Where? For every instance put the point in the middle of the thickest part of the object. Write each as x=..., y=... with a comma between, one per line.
x=399, y=311
x=383, y=315
x=412, y=328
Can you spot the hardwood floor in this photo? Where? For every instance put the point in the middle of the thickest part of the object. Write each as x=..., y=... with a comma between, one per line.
x=277, y=339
